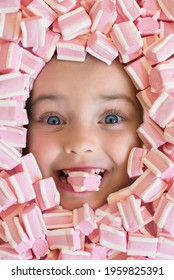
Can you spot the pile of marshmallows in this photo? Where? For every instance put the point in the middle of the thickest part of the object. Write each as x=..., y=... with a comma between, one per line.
x=136, y=222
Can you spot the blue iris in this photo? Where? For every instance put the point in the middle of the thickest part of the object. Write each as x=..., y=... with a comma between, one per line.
x=112, y=119
x=53, y=120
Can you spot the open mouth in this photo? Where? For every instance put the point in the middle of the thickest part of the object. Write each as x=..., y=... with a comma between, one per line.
x=81, y=180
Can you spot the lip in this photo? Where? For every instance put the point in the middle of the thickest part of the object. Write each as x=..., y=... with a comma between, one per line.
x=67, y=187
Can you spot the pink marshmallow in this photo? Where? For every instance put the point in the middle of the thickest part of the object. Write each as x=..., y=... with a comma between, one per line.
x=169, y=133
x=58, y=219
x=101, y=47
x=73, y=50
x=61, y=7
x=13, y=210
x=115, y=197
x=163, y=215
x=142, y=245
x=30, y=217
x=83, y=219
x=135, y=162
x=7, y=197
x=148, y=187
x=74, y=23
x=159, y=163
x=64, y=239
x=166, y=28
x=40, y=8
x=139, y=78
x=161, y=76
x=10, y=157
x=77, y=255
x=11, y=55
x=47, y=195
x=40, y=247
x=14, y=136
x=148, y=40
x=147, y=98
x=87, y=4
x=83, y=181
x=10, y=6
x=170, y=193
x=33, y=32
x=147, y=26
x=97, y=252
x=30, y=167
x=8, y=253
x=16, y=235
x=162, y=110
x=126, y=38
x=151, y=134
x=30, y=63
x=22, y=187
x=150, y=8
x=165, y=248
x=167, y=7
x=160, y=50
x=47, y=50
x=128, y=9
x=103, y=15
x=10, y=26
x=113, y=238
x=168, y=150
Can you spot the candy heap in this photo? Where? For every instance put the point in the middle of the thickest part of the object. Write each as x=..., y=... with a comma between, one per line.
x=136, y=222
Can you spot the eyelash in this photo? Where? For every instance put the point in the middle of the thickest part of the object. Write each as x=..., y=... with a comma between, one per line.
x=44, y=117
x=114, y=112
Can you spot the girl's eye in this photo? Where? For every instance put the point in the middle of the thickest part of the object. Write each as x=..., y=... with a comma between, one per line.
x=54, y=120
x=112, y=119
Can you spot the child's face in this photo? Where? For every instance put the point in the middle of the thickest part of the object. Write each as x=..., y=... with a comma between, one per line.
x=84, y=116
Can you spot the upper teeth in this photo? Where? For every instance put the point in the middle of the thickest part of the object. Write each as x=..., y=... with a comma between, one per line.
x=92, y=171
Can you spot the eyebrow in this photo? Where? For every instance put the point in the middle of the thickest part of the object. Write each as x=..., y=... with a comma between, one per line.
x=45, y=97
x=117, y=96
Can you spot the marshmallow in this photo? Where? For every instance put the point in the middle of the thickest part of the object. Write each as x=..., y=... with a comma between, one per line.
x=58, y=219
x=10, y=6
x=150, y=8
x=103, y=15
x=74, y=23
x=101, y=47
x=31, y=217
x=147, y=98
x=64, y=239
x=162, y=110
x=33, y=32
x=113, y=238
x=166, y=28
x=113, y=198
x=7, y=197
x=13, y=210
x=77, y=255
x=142, y=245
x=47, y=50
x=11, y=55
x=16, y=236
x=126, y=38
x=160, y=50
x=170, y=193
x=40, y=8
x=161, y=76
x=73, y=50
x=83, y=219
x=30, y=167
x=10, y=157
x=148, y=40
x=147, y=26
x=40, y=247
x=47, y=195
x=83, y=181
x=139, y=78
x=128, y=9
x=87, y=4
x=14, y=136
x=8, y=253
x=22, y=187
x=159, y=164
x=169, y=133
x=135, y=162
x=149, y=187
x=151, y=134
x=10, y=26
x=167, y=7
x=165, y=248
x=62, y=6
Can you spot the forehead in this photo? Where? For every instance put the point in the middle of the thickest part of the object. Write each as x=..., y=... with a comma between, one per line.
x=91, y=76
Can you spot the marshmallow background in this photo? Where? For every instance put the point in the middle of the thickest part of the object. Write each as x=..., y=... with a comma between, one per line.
x=137, y=221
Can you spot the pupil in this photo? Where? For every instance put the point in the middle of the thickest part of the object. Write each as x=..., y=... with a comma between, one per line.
x=110, y=119
x=53, y=120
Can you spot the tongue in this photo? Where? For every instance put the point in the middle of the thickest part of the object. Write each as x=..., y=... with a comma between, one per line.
x=83, y=181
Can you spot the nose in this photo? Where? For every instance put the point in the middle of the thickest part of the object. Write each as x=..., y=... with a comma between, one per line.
x=80, y=142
